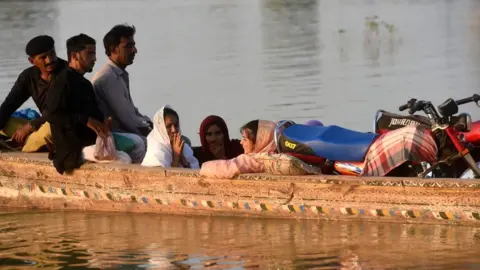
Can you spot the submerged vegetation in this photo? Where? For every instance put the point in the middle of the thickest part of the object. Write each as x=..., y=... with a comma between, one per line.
x=378, y=36
x=373, y=23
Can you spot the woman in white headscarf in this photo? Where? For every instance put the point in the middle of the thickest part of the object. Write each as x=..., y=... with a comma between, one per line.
x=165, y=146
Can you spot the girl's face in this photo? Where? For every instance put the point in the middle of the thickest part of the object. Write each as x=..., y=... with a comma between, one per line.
x=247, y=144
x=214, y=136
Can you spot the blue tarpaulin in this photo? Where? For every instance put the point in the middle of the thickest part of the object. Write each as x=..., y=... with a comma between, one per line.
x=28, y=114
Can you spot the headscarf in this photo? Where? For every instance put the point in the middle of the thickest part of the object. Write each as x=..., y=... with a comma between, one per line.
x=265, y=142
x=233, y=148
x=159, y=149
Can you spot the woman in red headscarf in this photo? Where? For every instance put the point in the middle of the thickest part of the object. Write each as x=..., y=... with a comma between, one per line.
x=216, y=143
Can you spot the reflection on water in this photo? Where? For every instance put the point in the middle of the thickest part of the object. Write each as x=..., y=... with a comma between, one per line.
x=170, y=242
x=291, y=57
x=20, y=21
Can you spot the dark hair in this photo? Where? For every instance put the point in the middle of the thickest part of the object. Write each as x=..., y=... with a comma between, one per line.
x=78, y=43
x=113, y=37
x=251, y=128
x=168, y=111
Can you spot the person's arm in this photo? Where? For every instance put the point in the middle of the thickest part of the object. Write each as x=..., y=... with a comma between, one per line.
x=228, y=169
x=56, y=111
x=17, y=96
x=112, y=91
x=94, y=111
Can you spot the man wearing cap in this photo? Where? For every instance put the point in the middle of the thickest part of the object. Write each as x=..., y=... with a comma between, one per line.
x=33, y=82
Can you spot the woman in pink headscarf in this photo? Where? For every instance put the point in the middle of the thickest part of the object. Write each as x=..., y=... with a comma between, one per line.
x=257, y=137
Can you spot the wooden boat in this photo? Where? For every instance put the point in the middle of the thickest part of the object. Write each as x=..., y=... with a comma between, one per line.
x=30, y=181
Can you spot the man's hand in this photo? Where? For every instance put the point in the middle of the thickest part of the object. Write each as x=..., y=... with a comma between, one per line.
x=22, y=133
x=108, y=123
x=97, y=126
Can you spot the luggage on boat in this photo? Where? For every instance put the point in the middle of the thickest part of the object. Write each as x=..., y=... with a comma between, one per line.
x=315, y=144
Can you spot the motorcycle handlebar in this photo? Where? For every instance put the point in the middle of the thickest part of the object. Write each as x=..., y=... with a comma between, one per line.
x=407, y=105
x=475, y=98
x=403, y=107
x=413, y=105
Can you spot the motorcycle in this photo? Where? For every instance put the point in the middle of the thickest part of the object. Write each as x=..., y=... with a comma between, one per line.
x=342, y=151
x=335, y=149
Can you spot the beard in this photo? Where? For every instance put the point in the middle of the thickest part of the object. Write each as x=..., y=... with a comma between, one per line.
x=89, y=67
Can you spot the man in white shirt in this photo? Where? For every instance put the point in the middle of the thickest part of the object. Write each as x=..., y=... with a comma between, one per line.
x=112, y=90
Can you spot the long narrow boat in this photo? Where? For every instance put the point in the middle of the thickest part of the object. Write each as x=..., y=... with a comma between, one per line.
x=30, y=181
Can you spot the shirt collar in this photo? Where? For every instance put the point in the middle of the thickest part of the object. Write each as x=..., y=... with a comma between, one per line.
x=115, y=68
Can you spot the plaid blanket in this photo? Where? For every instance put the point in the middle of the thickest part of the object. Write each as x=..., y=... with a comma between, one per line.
x=390, y=150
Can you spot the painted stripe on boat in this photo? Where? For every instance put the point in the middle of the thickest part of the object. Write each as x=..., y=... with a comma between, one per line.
x=256, y=205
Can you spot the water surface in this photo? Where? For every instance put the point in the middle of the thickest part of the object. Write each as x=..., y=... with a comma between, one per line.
x=55, y=239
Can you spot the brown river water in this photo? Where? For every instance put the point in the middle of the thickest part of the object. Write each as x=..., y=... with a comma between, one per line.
x=247, y=59
x=56, y=239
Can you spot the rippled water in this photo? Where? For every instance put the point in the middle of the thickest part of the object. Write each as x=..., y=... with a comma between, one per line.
x=246, y=59
x=48, y=239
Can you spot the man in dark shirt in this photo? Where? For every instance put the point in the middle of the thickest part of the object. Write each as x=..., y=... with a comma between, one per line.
x=33, y=82
x=71, y=109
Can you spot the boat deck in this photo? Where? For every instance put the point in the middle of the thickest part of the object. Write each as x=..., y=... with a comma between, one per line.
x=30, y=181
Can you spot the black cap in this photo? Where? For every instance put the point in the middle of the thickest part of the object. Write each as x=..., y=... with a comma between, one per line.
x=39, y=44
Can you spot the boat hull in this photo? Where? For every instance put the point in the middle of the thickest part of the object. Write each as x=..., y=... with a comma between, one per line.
x=29, y=181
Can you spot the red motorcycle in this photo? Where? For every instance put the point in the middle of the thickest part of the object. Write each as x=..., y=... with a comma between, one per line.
x=342, y=151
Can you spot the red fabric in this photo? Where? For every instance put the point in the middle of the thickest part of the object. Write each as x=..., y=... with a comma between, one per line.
x=233, y=148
